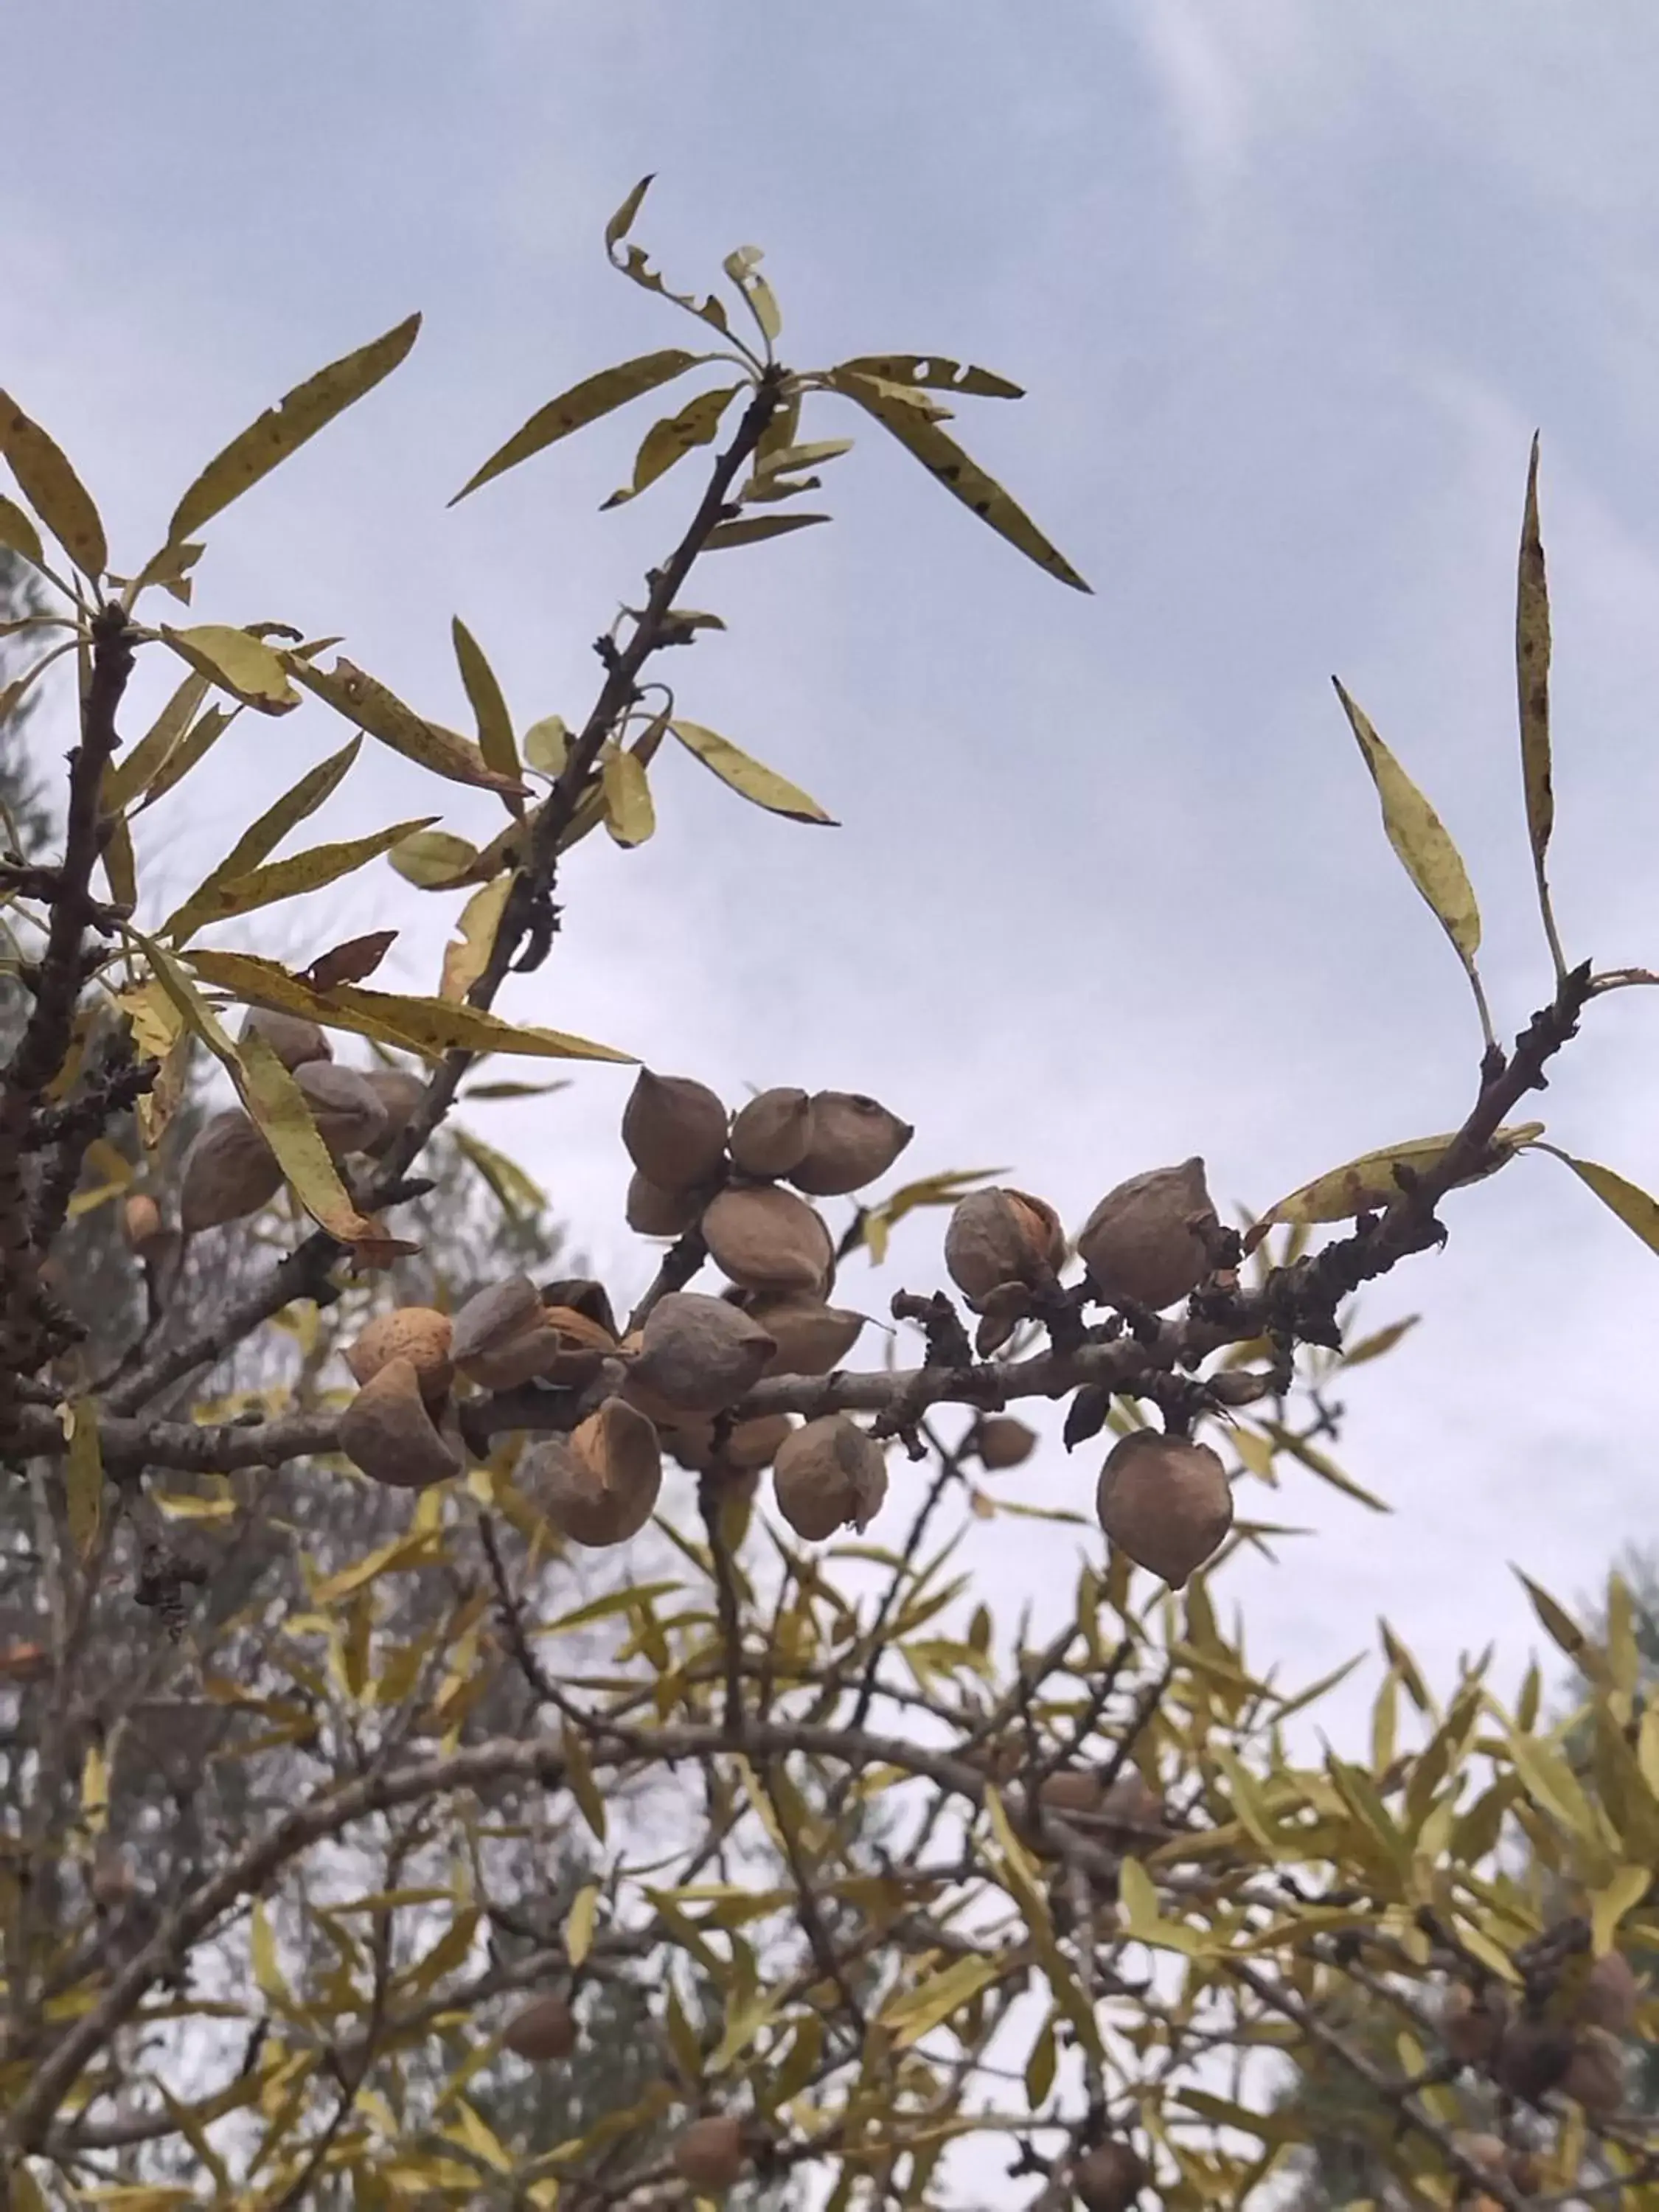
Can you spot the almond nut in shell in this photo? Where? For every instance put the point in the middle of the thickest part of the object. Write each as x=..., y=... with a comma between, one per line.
x=768, y=1239
x=674, y=1130
x=294, y=1038
x=419, y=1335
x=501, y=1336
x=650, y=1212
x=1109, y=2178
x=697, y=1355
x=1166, y=1502
x=544, y=2029
x=388, y=1432
x=997, y=1237
x=600, y=1485
x=229, y=1172
x=812, y=1338
x=771, y=1135
x=855, y=1140
x=827, y=1475
x=399, y=1091
x=709, y=2152
x=1143, y=1244
x=1001, y=1442
x=344, y=1104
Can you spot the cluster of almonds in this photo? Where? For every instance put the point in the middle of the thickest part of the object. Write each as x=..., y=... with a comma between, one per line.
x=696, y=1357
x=1573, y=2042
x=230, y=1172
x=709, y=2152
x=1163, y=1499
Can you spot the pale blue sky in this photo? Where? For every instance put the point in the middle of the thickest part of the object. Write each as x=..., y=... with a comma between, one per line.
x=1289, y=287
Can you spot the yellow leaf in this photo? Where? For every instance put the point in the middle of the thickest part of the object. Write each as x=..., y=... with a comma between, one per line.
x=466, y=956
x=245, y=666
x=1423, y=843
x=472, y=2132
x=1532, y=671
x=129, y=775
x=751, y=529
x=1368, y=1184
x=222, y=898
x=914, y=2013
x=623, y=222
x=203, y=733
x=944, y=460
x=1609, y=1904
x=276, y=1102
x=83, y=1476
x=52, y=489
x=585, y=403
x=519, y=1196
x=18, y=533
x=429, y=1026
x=372, y=707
x=1633, y=1204
x=628, y=813
x=495, y=724
x=435, y=860
x=416, y=1551
x=94, y=1789
x=262, y=1947
x=579, y=1928
x=281, y=429
x=931, y=372
x=547, y=744
x=120, y=863
x=579, y=1773
x=746, y=776
x=674, y=437
x=1562, y=1628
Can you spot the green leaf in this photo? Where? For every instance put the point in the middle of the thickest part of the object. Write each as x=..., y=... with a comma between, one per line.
x=672, y=438
x=129, y=775
x=628, y=813
x=19, y=533
x=435, y=860
x=309, y=871
x=585, y=403
x=83, y=1477
x=749, y=529
x=1632, y=1206
x=1368, y=1184
x=283, y=428
x=1422, y=841
x=1532, y=672
x=430, y=1027
x=52, y=489
x=763, y=786
x=495, y=724
x=932, y=373
x=945, y=459
x=245, y=666
x=368, y=703
x=297, y=804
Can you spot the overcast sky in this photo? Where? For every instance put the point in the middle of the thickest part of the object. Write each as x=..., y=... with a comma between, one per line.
x=1290, y=287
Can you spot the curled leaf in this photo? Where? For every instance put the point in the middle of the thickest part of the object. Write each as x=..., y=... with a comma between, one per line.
x=52, y=489
x=1532, y=671
x=630, y=815
x=623, y=222
x=362, y=700
x=350, y=963
x=18, y=534
x=245, y=666
x=585, y=403
x=283, y=428
x=466, y=956
x=672, y=438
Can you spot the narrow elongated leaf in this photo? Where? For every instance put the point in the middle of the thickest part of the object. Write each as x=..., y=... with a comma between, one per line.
x=52, y=489
x=945, y=459
x=18, y=533
x=933, y=373
x=276, y=1102
x=435, y=860
x=674, y=437
x=1631, y=1204
x=579, y=1927
x=918, y=2011
x=1421, y=840
x=245, y=666
x=83, y=1477
x=749, y=529
x=309, y=871
x=1532, y=672
x=368, y=703
x=485, y=695
x=467, y=956
x=1559, y=1624
x=131, y=774
x=430, y=1027
x=623, y=222
x=585, y=403
x=630, y=815
x=203, y=734
x=752, y=781
x=297, y=804
x=283, y=428
x=1369, y=1184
